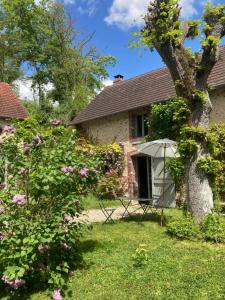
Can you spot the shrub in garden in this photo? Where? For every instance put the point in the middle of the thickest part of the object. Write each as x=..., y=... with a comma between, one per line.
x=140, y=257
x=42, y=176
x=213, y=228
x=112, y=157
x=183, y=228
x=111, y=186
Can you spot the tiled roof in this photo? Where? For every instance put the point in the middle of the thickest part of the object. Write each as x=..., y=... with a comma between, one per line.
x=10, y=106
x=141, y=91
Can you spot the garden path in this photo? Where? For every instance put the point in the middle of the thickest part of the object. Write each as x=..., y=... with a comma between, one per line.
x=96, y=215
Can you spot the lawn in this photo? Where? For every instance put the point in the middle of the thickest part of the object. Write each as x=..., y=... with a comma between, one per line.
x=91, y=202
x=175, y=270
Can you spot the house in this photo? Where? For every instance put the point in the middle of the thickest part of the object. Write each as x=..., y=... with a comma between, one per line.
x=117, y=115
x=10, y=106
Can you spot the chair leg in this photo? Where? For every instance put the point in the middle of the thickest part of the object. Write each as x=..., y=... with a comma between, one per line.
x=109, y=219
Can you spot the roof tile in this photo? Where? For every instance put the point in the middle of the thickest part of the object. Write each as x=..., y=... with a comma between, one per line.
x=10, y=106
x=141, y=91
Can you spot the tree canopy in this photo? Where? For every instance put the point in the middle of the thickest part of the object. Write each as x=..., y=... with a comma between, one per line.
x=42, y=37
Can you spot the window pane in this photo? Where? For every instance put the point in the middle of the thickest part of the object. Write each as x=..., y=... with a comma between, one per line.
x=139, y=126
x=145, y=125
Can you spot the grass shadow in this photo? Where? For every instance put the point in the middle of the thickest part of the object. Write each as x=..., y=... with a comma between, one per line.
x=140, y=218
x=88, y=246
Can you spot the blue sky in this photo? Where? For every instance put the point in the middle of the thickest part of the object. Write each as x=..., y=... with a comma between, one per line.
x=113, y=21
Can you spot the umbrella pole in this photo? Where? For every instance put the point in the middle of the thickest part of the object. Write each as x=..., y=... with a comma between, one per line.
x=164, y=175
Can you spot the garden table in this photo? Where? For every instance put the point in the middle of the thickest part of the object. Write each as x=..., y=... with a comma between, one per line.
x=145, y=204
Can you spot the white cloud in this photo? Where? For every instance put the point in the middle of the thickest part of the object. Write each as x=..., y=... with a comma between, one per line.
x=88, y=7
x=107, y=82
x=69, y=1
x=129, y=13
x=26, y=92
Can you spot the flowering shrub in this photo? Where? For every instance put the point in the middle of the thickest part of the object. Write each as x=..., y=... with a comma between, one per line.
x=42, y=176
x=112, y=186
x=112, y=157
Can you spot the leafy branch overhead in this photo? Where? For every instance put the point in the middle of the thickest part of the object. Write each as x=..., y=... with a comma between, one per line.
x=165, y=32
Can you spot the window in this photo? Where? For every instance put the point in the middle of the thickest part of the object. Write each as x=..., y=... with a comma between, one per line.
x=140, y=128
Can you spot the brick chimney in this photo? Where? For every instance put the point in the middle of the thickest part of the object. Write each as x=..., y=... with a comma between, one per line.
x=118, y=78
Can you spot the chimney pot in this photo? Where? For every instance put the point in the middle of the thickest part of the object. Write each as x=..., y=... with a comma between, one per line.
x=118, y=78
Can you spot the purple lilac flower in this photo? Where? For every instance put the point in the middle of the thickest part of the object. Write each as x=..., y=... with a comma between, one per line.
x=2, y=210
x=19, y=199
x=43, y=248
x=22, y=170
x=15, y=283
x=84, y=172
x=67, y=170
x=56, y=122
x=57, y=294
x=68, y=218
x=2, y=186
x=26, y=149
x=9, y=129
x=65, y=246
x=2, y=236
x=37, y=140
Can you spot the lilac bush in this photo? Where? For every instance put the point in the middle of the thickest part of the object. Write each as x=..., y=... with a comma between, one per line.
x=43, y=174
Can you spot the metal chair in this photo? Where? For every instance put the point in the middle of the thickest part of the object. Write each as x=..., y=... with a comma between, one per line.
x=107, y=211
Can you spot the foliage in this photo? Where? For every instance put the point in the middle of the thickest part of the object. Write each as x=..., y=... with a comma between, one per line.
x=43, y=174
x=177, y=170
x=112, y=156
x=111, y=186
x=161, y=25
x=213, y=228
x=41, y=35
x=140, y=257
x=183, y=228
x=209, y=165
x=218, y=131
x=167, y=118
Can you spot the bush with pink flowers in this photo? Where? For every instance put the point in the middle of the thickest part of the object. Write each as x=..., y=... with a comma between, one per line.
x=43, y=174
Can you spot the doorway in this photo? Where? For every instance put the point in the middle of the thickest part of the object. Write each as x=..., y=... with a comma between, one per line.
x=144, y=176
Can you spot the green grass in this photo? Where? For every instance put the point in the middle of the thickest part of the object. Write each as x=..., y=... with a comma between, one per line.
x=175, y=270
x=91, y=202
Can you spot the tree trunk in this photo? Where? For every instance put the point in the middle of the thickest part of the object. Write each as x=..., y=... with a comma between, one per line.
x=200, y=195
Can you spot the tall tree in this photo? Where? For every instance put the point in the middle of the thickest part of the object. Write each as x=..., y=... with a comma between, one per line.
x=165, y=32
x=49, y=45
x=76, y=70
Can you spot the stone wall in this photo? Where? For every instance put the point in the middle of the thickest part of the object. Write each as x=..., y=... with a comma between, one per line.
x=109, y=129
x=218, y=101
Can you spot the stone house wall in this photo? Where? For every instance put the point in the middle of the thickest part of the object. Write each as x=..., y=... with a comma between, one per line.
x=117, y=128
x=218, y=101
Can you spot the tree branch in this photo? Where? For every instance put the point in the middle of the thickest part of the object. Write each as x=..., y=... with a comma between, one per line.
x=214, y=30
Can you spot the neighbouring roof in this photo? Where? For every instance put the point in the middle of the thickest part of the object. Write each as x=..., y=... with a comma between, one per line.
x=10, y=106
x=141, y=91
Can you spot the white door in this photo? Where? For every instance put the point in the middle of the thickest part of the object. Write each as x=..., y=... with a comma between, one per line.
x=169, y=186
